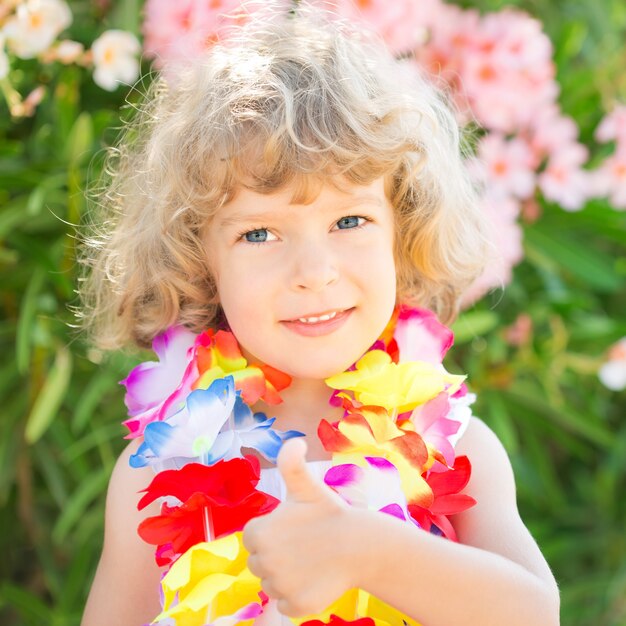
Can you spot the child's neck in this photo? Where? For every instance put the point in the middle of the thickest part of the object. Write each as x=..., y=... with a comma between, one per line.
x=305, y=403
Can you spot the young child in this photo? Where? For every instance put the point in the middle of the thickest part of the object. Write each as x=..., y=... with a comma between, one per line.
x=294, y=187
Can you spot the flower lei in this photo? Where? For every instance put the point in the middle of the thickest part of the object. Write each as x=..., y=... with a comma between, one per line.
x=391, y=452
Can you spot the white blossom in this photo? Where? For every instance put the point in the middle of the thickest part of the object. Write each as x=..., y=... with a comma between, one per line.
x=35, y=26
x=115, y=59
x=612, y=374
x=68, y=51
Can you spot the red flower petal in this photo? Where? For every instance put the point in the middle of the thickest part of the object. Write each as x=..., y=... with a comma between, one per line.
x=183, y=526
x=226, y=481
x=331, y=438
x=225, y=490
x=452, y=504
x=453, y=480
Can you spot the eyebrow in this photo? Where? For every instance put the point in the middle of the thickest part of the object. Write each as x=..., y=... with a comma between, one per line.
x=238, y=217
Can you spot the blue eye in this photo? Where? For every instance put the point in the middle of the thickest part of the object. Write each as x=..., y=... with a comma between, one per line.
x=350, y=221
x=256, y=236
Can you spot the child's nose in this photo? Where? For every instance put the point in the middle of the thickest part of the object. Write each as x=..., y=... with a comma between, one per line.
x=314, y=267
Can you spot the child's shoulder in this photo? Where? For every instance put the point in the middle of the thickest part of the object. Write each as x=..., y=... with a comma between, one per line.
x=494, y=523
x=478, y=432
x=492, y=473
x=127, y=481
x=122, y=516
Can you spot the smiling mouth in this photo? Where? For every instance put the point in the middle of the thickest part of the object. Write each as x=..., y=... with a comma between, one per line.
x=318, y=318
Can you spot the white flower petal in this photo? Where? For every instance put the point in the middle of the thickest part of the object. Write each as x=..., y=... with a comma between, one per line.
x=613, y=375
x=114, y=59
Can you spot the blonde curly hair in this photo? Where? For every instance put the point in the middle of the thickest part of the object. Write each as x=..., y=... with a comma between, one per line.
x=288, y=99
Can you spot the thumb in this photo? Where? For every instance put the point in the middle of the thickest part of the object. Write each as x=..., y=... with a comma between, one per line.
x=301, y=485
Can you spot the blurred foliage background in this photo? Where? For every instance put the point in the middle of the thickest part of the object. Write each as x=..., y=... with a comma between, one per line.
x=531, y=351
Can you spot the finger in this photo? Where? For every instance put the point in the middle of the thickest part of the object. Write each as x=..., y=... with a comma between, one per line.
x=254, y=565
x=249, y=537
x=270, y=590
x=301, y=485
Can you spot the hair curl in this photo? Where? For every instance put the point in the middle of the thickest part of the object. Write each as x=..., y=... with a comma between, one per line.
x=292, y=99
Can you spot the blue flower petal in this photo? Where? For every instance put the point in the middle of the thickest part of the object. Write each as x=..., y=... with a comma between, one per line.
x=221, y=447
x=242, y=413
x=223, y=388
x=267, y=442
x=289, y=434
x=157, y=435
x=139, y=459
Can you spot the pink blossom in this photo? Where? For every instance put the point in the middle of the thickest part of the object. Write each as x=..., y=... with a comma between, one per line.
x=520, y=331
x=151, y=385
x=563, y=181
x=506, y=237
x=613, y=126
x=177, y=31
x=431, y=422
x=505, y=166
x=551, y=130
x=500, y=65
x=517, y=75
x=421, y=337
x=451, y=30
x=401, y=23
x=610, y=179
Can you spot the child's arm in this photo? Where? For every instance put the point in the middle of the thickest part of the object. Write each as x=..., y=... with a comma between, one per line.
x=497, y=575
x=126, y=586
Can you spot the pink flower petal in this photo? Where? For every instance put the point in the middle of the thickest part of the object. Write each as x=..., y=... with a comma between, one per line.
x=421, y=337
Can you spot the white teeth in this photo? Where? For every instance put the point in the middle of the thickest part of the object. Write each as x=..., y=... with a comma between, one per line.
x=314, y=320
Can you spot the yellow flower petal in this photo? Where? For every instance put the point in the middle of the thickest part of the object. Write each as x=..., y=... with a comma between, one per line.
x=357, y=603
x=396, y=387
x=209, y=576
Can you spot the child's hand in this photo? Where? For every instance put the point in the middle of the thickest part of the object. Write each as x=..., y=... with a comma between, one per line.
x=302, y=550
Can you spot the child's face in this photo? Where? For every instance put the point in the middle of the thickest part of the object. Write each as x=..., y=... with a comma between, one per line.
x=278, y=266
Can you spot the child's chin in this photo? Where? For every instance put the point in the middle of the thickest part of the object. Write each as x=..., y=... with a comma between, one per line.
x=320, y=370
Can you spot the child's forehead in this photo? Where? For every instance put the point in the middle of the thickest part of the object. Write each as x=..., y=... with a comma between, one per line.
x=330, y=196
x=306, y=189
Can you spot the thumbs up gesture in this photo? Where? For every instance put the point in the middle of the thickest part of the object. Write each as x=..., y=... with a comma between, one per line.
x=304, y=550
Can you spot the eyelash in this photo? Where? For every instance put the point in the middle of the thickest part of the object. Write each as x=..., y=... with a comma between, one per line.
x=242, y=234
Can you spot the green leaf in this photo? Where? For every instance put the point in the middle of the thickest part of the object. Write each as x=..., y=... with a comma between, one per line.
x=80, y=139
x=98, y=386
x=28, y=605
x=581, y=424
x=126, y=15
x=26, y=320
x=90, y=488
x=52, y=472
x=587, y=263
x=36, y=200
x=43, y=192
x=473, y=324
x=50, y=397
x=74, y=583
x=12, y=215
x=66, y=101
